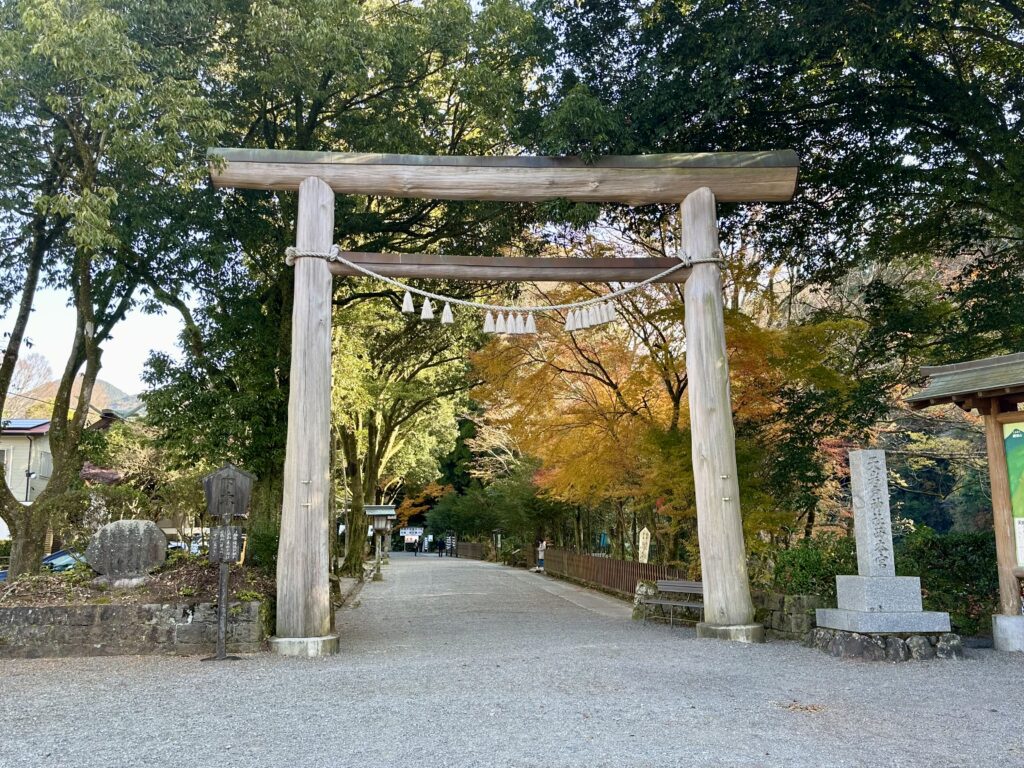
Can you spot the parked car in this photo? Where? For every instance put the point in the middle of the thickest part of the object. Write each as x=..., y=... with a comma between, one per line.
x=59, y=561
x=62, y=560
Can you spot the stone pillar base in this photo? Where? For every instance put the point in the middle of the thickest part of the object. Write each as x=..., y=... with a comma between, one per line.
x=304, y=646
x=1008, y=633
x=741, y=633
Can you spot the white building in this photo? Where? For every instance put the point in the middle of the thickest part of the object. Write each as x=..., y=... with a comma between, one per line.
x=26, y=459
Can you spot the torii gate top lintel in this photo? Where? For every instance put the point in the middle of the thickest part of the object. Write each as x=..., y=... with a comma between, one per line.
x=768, y=176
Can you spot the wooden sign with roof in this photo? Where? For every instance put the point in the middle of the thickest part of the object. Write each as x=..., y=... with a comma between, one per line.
x=995, y=388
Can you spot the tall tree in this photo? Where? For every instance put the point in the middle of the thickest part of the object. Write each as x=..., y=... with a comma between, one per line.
x=99, y=115
x=440, y=77
x=906, y=117
x=397, y=386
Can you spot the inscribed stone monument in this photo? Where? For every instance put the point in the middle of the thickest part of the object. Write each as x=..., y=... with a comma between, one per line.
x=125, y=551
x=876, y=601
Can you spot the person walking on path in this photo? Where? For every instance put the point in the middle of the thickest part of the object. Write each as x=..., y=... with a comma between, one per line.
x=440, y=547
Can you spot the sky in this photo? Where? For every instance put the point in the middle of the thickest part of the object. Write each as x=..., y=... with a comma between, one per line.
x=52, y=328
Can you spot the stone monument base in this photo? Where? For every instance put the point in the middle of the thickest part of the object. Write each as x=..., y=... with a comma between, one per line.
x=122, y=582
x=309, y=647
x=741, y=633
x=886, y=647
x=1008, y=633
x=891, y=594
x=883, y=622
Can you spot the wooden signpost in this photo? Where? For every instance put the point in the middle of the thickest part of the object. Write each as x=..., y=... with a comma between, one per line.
x=694, y=180
x=228, y=491
x=994, y=387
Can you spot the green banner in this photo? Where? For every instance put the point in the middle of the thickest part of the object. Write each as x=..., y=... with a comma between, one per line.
x=1013, y=438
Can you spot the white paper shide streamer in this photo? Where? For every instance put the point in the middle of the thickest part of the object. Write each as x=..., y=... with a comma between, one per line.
x=500, y=319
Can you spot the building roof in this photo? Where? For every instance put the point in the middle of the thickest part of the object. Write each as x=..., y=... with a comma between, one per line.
x=967, y=383
x=25, y=426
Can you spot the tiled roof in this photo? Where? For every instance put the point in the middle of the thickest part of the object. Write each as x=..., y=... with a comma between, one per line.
x=991, y=377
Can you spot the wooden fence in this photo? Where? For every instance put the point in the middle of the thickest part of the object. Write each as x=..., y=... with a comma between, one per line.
x=474, y=550
x=619, y=576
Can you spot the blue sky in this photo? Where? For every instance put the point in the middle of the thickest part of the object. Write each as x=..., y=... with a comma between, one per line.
x=52, y=327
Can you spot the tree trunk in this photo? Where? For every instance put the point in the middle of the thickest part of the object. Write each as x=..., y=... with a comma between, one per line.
x=355, y=522
x=27, y=545
x=28, y=542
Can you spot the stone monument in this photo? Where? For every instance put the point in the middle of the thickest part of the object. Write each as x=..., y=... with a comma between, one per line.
x=126, y=551
x=877, y=601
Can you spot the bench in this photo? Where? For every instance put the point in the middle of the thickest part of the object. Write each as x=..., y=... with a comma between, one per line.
x=671, y=587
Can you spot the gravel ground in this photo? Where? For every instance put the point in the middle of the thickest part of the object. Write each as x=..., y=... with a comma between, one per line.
x=460, y=663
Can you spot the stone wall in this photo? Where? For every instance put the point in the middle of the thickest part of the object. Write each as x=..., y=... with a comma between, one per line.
x=851, y=645
x=786, y=617
x=111, y=630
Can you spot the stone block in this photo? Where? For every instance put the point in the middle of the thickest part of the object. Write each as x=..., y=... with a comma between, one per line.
x=920, y=648
x=813, y=602
x=875, y=622
x=315, y=646
x=896, y=649
x=1008, y=633
x=949, y=646
x=800, y=624
x=741, y=633
x=890, y=594
x=82, y=615
x=773, y=601
x=874, y=648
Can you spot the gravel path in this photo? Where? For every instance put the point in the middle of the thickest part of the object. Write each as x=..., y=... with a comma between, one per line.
x=460, y=663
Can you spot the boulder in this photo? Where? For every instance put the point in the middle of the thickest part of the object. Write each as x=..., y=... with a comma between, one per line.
x=949, y=646
x=896, y=649
x=920, y=648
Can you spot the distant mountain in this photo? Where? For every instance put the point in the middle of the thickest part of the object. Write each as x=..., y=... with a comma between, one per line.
x=38, y=403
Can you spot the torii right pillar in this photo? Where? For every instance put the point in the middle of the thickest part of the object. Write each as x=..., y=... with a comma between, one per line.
x=728, y=610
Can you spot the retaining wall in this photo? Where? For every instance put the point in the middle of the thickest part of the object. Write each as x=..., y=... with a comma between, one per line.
x=787, y=617
x=112, y=630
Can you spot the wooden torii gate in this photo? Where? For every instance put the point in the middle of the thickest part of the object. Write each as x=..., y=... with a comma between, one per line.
x=695, y=181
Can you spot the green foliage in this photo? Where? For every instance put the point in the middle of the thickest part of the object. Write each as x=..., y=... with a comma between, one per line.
x=5, y=548
x=179, y=557
x=957, y=571
x=261, y=543
x=78, y=513
x=513, y=504
x=958, y=575
x=811, y=567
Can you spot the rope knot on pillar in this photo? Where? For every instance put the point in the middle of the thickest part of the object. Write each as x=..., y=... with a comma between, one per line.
x=291, y=253
x=715, y=257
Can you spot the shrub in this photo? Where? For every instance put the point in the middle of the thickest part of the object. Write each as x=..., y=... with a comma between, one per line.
x=958, y=575
x=811, y=567
x=261, y=544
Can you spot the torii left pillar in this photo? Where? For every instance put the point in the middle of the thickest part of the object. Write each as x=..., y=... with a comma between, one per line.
x=303, y=587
